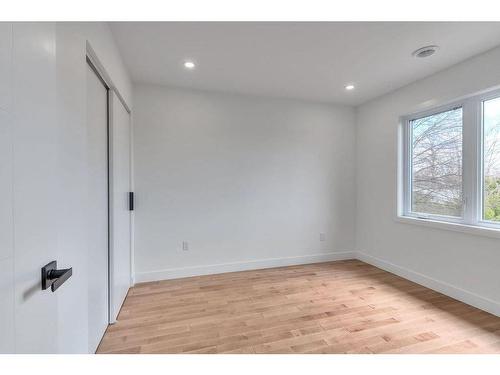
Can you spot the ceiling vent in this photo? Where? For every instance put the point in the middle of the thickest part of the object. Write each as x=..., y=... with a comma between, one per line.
x=425, y=51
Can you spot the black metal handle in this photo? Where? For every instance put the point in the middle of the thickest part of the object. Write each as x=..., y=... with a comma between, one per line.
x=53, y=277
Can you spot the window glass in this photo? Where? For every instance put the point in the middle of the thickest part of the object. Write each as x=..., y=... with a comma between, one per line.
x=491, y=159
x=436, y=164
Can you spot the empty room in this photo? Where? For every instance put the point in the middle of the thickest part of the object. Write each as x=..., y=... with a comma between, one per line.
x=260, y=187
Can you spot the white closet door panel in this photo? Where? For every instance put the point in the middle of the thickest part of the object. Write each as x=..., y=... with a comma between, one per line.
x=98, y=206
x=120, y=214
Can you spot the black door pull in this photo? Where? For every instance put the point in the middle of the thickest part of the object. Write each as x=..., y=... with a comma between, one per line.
x=131, y=201
x=53, y=277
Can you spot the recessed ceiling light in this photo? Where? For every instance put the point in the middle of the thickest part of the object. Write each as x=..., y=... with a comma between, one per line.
x=349, y=87
x=189, y=65
x=425, y=51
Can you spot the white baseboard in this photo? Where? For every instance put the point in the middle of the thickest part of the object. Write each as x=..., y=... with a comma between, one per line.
x=470, y=298
x=175, y=273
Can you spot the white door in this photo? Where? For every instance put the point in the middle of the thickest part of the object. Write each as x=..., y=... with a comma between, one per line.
x=97, y=138
x=42, y=170
x=72, y=193
x=120, y=215
x=53, y=191
x=34, y=135
x=7, y=335
x=43, y=190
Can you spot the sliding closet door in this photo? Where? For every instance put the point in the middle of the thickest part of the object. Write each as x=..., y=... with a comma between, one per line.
x=97, y=138
x=120, y=211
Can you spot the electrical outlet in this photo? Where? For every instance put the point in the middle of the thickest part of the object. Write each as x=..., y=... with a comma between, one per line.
x=185, y=246
x=322, y=237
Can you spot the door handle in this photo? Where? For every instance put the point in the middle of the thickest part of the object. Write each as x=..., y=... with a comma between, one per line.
x=131, y=201
x=53, y=277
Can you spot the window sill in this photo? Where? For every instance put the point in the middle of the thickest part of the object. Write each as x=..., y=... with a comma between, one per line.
x=456, y=227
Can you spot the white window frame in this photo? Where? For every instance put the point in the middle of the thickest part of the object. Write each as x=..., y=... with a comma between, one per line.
x=472, y=169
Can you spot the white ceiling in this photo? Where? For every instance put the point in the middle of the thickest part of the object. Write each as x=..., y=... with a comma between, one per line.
x=311, y=61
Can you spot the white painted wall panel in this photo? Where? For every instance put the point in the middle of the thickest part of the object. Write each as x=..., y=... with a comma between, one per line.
x=240, y=178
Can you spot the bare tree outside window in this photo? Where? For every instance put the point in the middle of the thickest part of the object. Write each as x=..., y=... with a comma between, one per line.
x=491, y=159
x=436, y=162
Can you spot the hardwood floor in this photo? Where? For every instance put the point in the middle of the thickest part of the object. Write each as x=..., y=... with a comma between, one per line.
x=335, y=307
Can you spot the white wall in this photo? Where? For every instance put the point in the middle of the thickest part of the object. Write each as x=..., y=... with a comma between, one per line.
x=462, y=265
x=248, y=182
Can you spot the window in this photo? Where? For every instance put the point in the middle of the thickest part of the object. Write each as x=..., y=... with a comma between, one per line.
x=451, y=163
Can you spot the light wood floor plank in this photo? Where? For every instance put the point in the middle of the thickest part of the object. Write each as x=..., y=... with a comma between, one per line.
x=333, y=307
